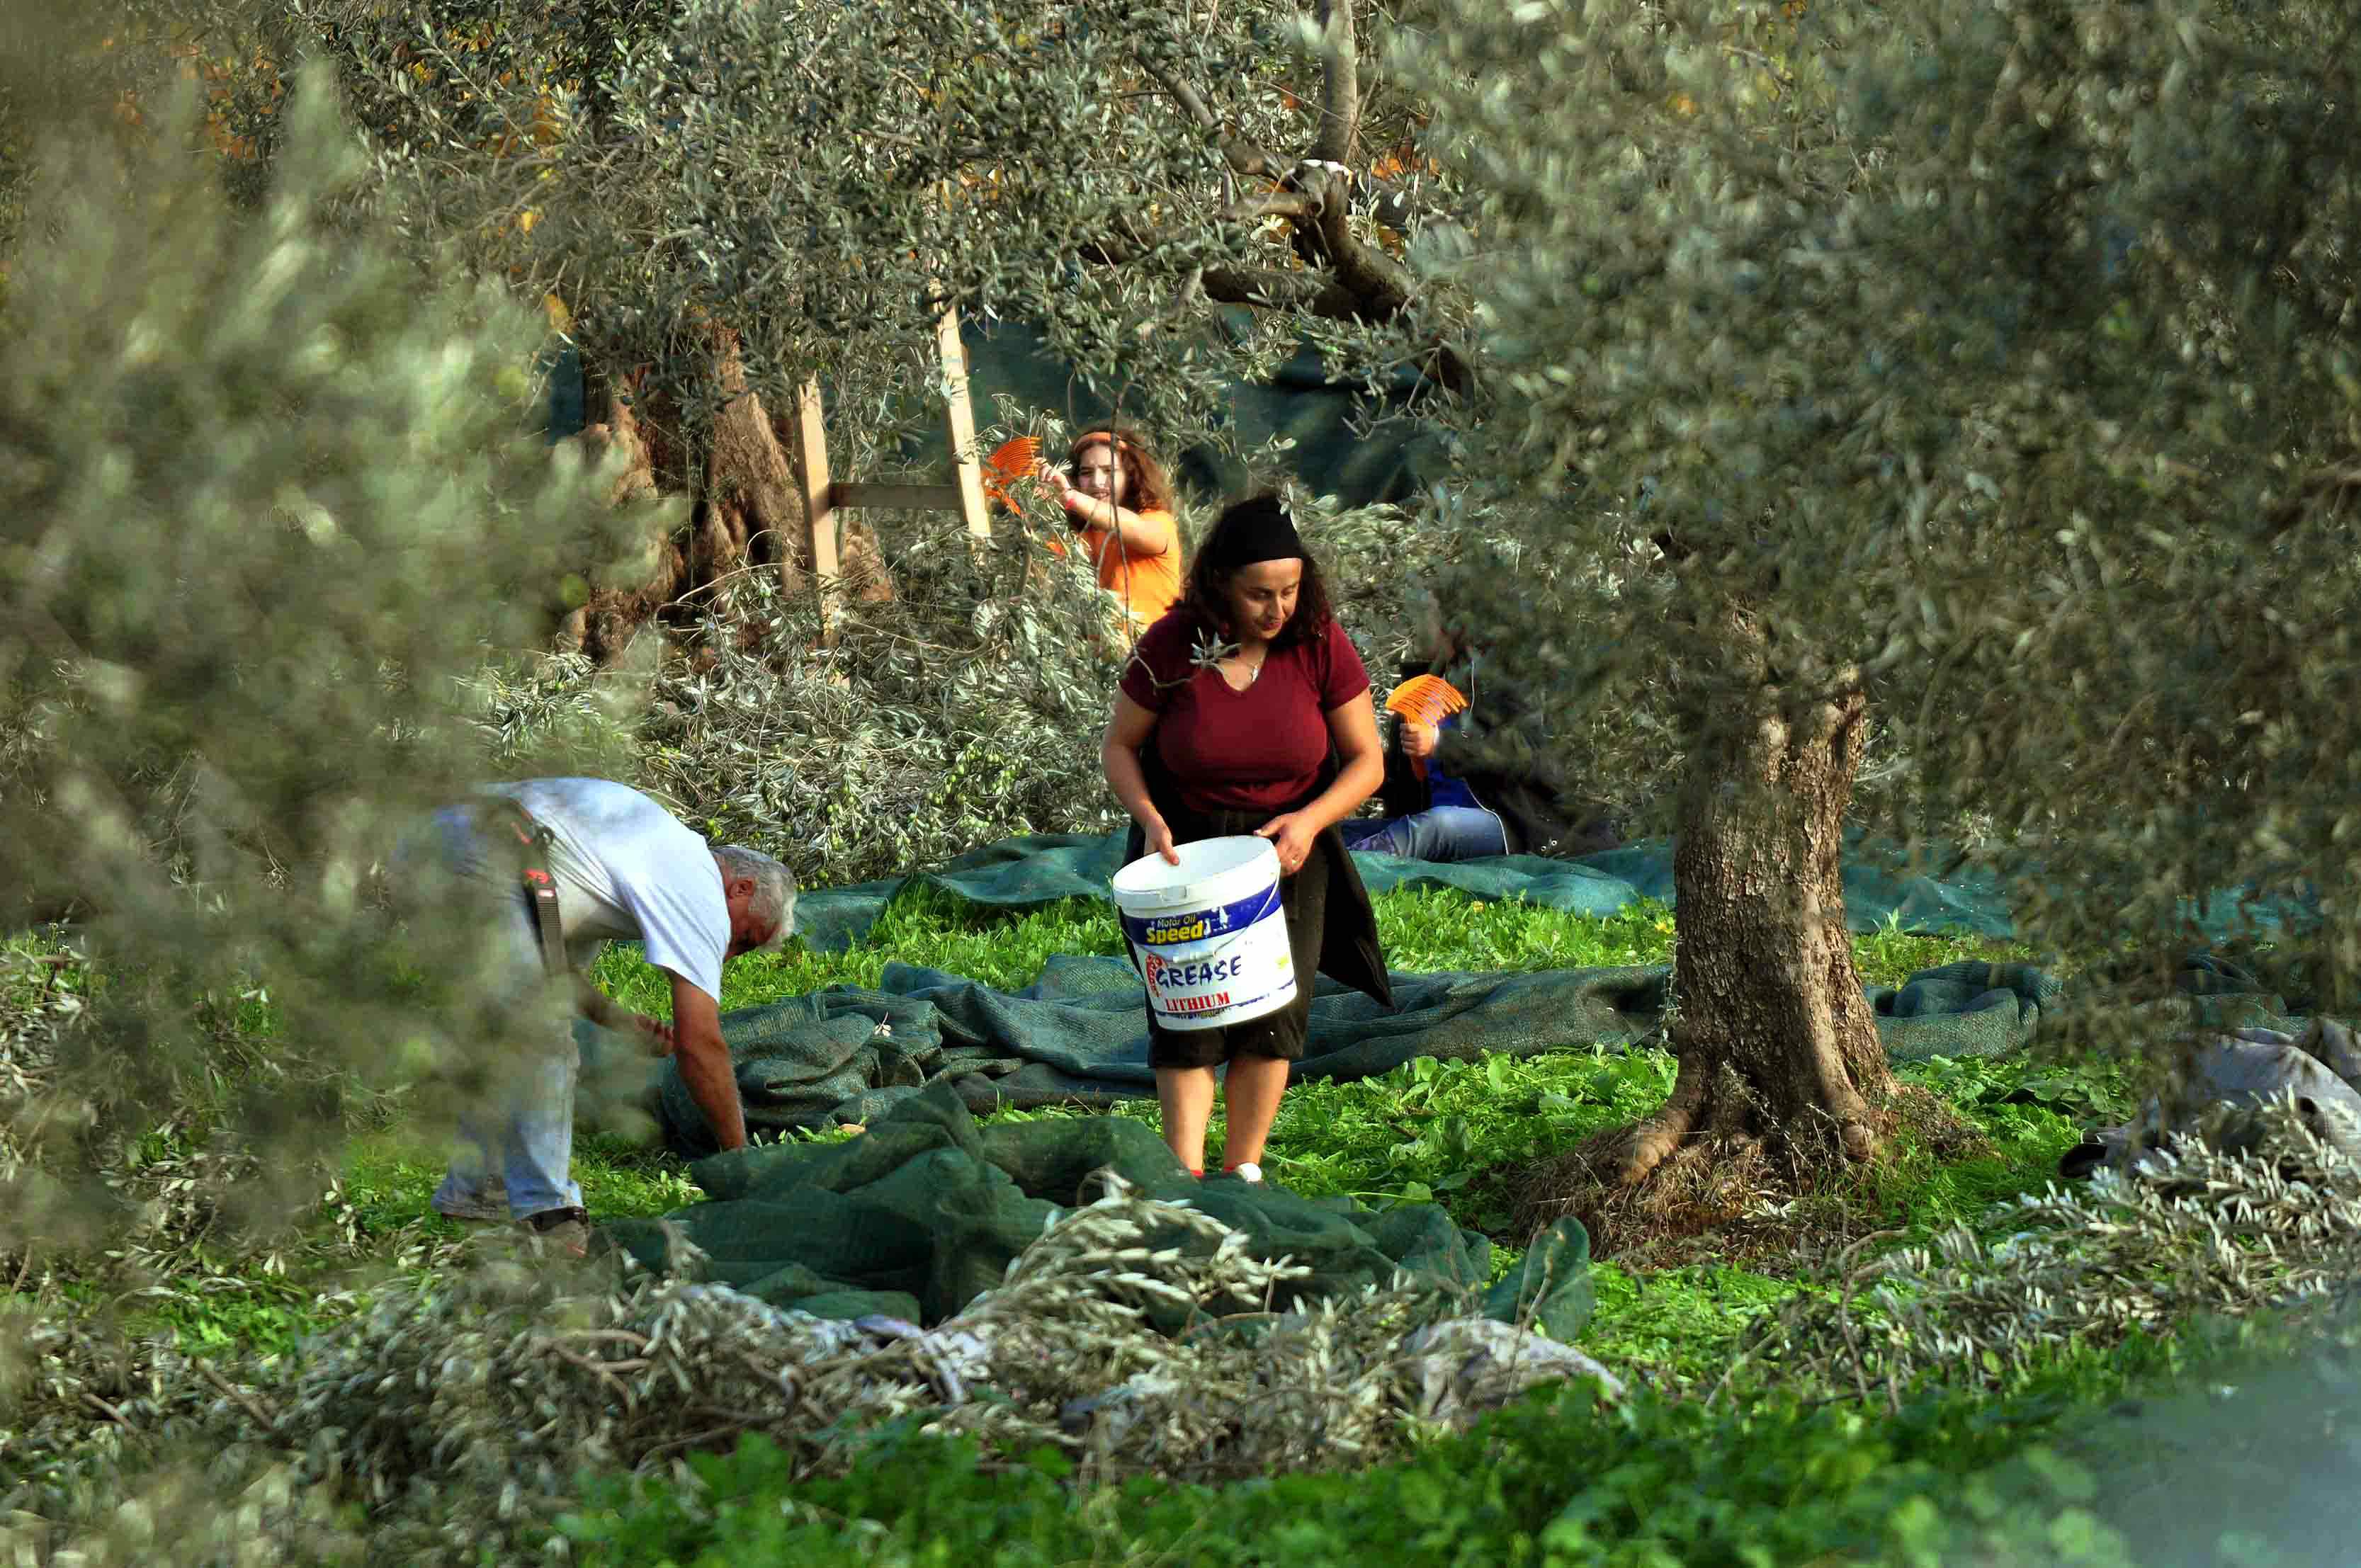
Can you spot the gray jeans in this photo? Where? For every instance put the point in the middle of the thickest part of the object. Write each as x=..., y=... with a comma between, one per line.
x=519, y=1132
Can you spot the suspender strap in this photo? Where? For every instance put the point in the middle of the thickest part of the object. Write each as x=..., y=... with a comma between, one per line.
x=528, y=841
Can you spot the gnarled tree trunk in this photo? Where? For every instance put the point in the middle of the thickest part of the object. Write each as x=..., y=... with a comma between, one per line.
x=623, y=600
x=749, y=507
x=1775, y=1038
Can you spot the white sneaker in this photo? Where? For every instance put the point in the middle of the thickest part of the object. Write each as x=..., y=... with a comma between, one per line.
x=1248, y=1171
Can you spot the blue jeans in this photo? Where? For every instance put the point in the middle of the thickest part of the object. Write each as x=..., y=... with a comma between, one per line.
x=519, y=1132
x=1439, y=833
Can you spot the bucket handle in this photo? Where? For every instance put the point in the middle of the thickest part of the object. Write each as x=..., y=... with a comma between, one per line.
x=1177, y=898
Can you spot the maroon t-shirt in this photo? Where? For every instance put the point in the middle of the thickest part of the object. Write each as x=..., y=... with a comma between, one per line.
x=1254, y=750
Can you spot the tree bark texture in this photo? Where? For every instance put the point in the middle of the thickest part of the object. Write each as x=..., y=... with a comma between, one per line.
x=625, y=599
x=748, y=508
x=1775, y=1038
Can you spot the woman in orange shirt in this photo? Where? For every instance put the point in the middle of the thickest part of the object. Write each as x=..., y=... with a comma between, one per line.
x=1119, y=500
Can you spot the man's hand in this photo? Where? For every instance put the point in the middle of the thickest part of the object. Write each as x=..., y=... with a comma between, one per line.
x=602, y=1010
x=1419, y=740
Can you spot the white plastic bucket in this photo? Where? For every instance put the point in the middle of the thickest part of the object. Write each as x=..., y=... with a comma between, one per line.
x=1209, y=934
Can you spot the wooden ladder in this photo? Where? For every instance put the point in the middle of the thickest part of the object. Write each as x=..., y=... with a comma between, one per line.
x=825, y=497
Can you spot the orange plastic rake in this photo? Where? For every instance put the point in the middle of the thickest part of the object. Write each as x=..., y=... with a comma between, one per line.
x=1428, y=699
x=1011, y=462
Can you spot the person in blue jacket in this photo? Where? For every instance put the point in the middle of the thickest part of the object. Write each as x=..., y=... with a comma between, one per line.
x=1457, y=792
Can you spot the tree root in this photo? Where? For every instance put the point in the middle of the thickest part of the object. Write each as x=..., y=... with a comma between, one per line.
x=1693, y=1187
x=1707, y=1165
x=1649, y=1144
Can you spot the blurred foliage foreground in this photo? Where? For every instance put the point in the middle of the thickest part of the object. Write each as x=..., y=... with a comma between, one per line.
x=209, y=729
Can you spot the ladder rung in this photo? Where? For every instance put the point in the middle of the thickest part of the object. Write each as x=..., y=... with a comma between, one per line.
x=899, y=497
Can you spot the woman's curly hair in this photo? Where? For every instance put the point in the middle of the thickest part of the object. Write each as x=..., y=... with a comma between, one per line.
x=1146, y=486
x=1207, y=594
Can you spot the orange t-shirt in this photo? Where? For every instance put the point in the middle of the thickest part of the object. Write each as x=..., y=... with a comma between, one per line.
x=1147, y=585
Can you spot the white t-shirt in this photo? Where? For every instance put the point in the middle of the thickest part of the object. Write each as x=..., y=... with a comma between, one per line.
x=628, y=869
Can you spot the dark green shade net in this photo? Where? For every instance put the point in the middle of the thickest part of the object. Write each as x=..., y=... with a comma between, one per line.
x=925, y=1211
x=1883, y=886
x=1333, y=452
x=1079, y=1035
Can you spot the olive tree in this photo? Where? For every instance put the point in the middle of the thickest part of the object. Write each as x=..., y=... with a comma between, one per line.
x=1977, y=373
x=730, y=198
x=544, y=152
x=269, y=497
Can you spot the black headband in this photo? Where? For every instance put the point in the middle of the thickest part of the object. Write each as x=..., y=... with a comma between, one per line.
x=1257, y=528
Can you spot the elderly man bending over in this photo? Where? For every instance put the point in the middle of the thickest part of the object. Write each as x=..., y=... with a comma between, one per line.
x=619, y=867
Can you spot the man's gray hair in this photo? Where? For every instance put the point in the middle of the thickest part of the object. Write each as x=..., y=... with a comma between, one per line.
x=774, y=889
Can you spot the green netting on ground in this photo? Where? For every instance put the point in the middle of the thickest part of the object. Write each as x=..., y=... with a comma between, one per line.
x=1882, y=884
x=1015, y=873
x=922, y=1213
x=1079, y=1034
x=1019, y=873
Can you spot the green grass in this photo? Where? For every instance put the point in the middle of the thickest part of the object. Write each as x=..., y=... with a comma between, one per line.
x=925, y=926
x=1558, y=1479
x=1430, y=1131
x=1554, y=1480
x=230, y=1315
x=1421, y=931
x=388, y=1179
x=1889, y=955
x=1683, y=1324
x=1427, y=929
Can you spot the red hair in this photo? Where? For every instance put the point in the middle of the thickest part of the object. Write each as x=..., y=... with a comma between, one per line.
x=1147, y=487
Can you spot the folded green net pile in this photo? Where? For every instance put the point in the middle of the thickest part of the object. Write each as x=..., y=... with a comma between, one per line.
x=922, y=1213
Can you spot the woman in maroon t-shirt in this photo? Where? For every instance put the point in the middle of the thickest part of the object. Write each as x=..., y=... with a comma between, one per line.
x=1245, y=710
